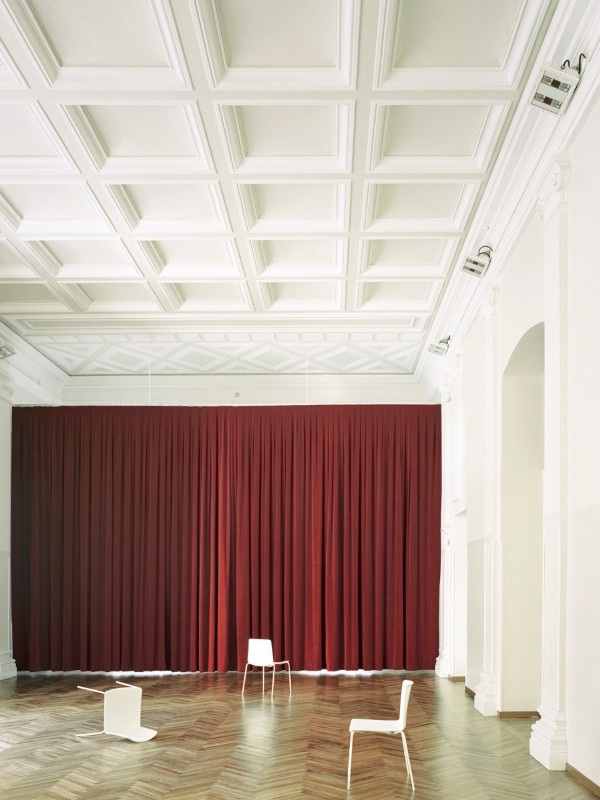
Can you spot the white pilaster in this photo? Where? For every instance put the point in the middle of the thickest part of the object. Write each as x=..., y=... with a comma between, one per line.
x=443, y=663
x=8, y=667
x=548, y=742
x=451, y=661
x=487, y=692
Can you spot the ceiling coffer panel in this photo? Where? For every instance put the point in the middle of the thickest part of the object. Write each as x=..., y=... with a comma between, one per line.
x=233, y=186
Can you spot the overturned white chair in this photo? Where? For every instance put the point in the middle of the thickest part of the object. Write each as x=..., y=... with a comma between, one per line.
x=392, y=726
x=260, y=654
x=122, y=713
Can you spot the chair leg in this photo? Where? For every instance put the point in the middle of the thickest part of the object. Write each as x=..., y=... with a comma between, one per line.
x=272, y=682
x=263, y=671
x=290, y=676
x=350, y=758
x=244, y=683
x=407, y=759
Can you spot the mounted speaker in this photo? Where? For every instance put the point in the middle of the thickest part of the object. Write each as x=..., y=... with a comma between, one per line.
x=477, y=265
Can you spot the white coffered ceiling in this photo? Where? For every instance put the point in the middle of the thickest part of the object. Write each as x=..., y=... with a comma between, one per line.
x=250, y=187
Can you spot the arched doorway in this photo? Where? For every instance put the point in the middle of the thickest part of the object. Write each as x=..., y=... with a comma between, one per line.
x=522, y=525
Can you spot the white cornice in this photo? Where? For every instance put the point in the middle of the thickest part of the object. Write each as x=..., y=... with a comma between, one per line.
x=533, y=146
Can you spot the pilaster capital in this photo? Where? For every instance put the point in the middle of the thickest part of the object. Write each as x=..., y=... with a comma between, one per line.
x=447, y=536
x=554, y=191
x=489, y=305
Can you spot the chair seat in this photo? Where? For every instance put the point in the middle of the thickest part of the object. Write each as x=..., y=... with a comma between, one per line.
x=134, y=734
x=375, y=726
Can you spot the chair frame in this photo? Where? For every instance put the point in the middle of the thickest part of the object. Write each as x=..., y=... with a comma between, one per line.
x=392, y=726
x=122, y=712
x=265, y=664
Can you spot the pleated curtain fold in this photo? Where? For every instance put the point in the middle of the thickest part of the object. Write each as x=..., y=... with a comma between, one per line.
x=154, y=538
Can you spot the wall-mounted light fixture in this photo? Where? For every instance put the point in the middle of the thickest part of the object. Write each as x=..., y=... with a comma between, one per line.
x=556, y=86
x=6, y=351
x=478, y=264
x=440, y=348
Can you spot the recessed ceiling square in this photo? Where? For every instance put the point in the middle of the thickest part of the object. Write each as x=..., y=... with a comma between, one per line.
x=111, y=33
x=409, y=251
x=43, y=202
x=410, y=201
x=22, y=133
x=172, y=202
x=196, y=258
x=142, y=131
x=304, y=296
x=118, y=296
x=294, y=33
x=432, y=130
x=433, y=34
x=280, y=45
x=298, y=257
x=9, y=75
x=27, y=294
x=288, y=130
x=212, y=296
x=395, y=294
x=8, y=256
x=301, y=205
x=91, y=252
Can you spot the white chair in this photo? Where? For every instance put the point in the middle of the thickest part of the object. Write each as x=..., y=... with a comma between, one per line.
x=122, y=713
x=392, y=726
x=260, y=654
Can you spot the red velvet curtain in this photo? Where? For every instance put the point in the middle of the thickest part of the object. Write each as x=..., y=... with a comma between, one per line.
x=163, y=538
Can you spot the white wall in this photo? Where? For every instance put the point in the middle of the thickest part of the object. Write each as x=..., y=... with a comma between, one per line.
x=583, y=565
x=522, y=305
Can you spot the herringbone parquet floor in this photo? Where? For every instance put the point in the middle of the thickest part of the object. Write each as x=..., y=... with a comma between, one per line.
x=212, y=744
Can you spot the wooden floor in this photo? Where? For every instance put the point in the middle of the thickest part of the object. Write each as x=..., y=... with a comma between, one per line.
x=212, y=744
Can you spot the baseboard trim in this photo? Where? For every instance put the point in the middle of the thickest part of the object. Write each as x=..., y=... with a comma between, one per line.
x=456, y=678
x=583, y=781
x=517, y=714
x=468, y=691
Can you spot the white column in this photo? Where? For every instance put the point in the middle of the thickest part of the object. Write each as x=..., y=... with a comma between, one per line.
x=548, y=742
x=451, y=661
x=487, y=692
x=8, y=667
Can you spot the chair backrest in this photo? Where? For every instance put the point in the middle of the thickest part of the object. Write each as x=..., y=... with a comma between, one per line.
x=260, y=652
x=122, y=709
x=404, y=696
